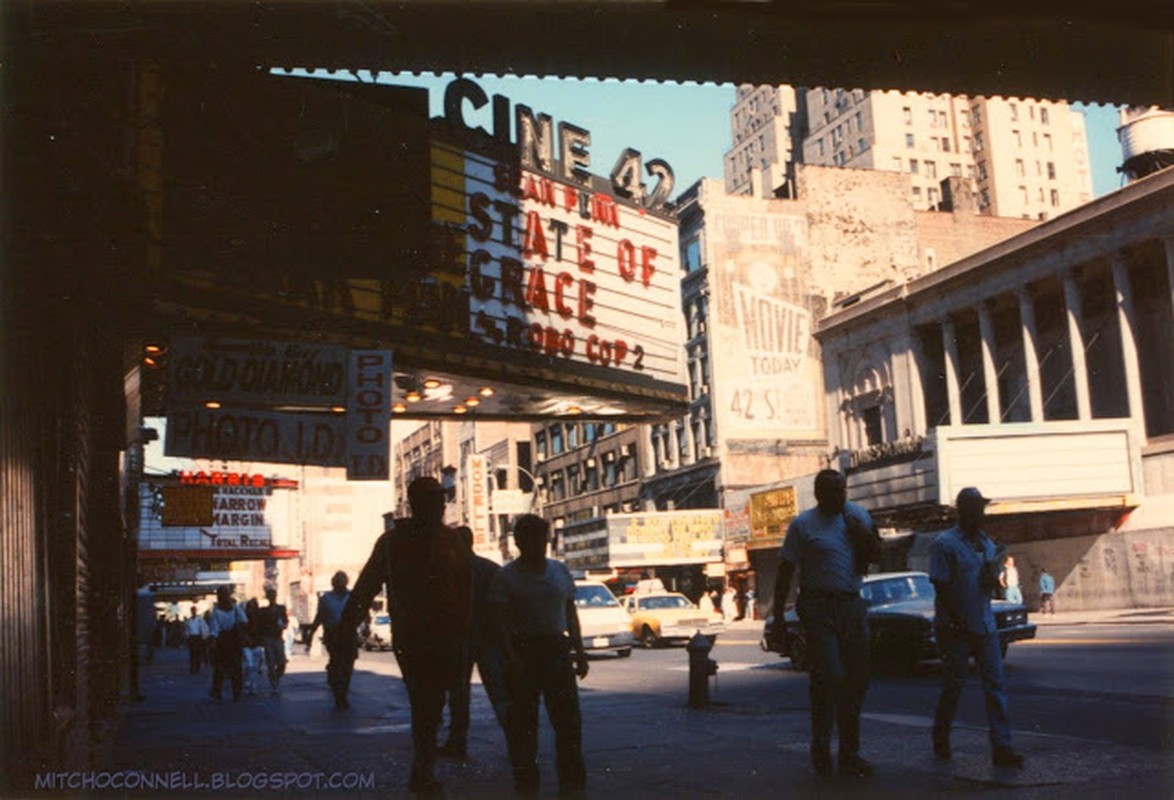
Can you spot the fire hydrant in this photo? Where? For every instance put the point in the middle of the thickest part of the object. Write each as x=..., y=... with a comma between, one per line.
x=701, y=666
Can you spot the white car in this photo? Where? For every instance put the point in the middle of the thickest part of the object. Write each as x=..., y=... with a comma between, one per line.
x=378, y=635
x=604, y=623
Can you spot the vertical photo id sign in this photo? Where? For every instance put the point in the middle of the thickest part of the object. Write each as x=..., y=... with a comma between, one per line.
x=368, y=429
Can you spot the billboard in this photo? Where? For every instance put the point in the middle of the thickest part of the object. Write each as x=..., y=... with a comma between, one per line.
x=664, y=538
x=770, y=514
x=767, y=382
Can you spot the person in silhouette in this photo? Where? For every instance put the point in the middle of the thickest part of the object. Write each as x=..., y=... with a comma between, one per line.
x=425, y=568
x=341, y=642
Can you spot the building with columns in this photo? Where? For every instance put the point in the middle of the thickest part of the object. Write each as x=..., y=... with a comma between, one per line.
x=1041, y=370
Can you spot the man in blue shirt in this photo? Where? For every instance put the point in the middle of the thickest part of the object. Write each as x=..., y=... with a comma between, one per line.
x=823, y=543
x=963, y=565
x=1047, y=589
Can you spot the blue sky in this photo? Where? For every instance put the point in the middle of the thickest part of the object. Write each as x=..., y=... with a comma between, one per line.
x=686, y=124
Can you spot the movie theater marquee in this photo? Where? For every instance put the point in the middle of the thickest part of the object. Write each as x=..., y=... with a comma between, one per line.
x=560, y=262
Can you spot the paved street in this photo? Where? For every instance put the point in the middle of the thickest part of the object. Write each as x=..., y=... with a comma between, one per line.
x=1091, y=705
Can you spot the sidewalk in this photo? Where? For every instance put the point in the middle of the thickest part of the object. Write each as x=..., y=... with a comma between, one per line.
x=638, y=745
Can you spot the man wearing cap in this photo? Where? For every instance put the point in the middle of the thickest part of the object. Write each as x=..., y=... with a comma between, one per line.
x=823, y=544
x=964, y=565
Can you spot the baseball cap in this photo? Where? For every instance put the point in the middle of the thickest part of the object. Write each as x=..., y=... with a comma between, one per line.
x=970, y=496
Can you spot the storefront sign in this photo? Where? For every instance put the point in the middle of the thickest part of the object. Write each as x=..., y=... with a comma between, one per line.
x=664, y=537
x=770, y=514
x=241, y=517
x=232, y=371
x=476, y=471
x=274, y=437
x=368, y=418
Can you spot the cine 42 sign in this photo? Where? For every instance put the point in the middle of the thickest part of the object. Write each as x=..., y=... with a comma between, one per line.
x=346, y=397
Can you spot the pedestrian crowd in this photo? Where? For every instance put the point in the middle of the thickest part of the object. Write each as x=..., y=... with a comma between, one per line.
x=453, y=610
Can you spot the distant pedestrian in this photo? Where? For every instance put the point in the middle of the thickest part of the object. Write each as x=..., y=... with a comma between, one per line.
x=253, y=651
x=197, y=632
x=705, y=603
x=964, y=565
x=273, y=621
x=730, y=604
x=533, y=602
x=227, y=631
x=1009, y=580
x=831, y=546
x=483, y=650
x=341, y=648
x=425, y=568
x=1047, y=591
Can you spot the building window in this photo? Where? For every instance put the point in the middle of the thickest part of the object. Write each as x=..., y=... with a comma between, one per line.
x=982, y=170
x=693, y=255
x=965, y=115
x=978, y=141
x=898, y=164
x=1023, y=194
x=913, y=166
x=1051, y=171
x=1055, y=199
x=909, y=141
x=1018, y=138
x=932, y=196
x=1019, y=167
x=984, y=198
x=558, y=488
x=861, y=146
x=1014, y=112
x=907, y=115
x=540, y=444
x=917, y=192
x=859, y=121
x=1048, y=141
x=574, y=480
x=873, y=428
x=572, y=437
x=556, y=439
x=591, y=475
x=822, y=148
x=945, y=145
x=970, y=171
x=931, y=170
x=1043, y=115
x=956, y=170
x=609, y=470
x=1034, y=139
x=967, y=144
x=976, y=114
x=933, y=118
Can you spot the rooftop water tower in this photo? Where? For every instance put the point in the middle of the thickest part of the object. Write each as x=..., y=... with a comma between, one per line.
x=1147, y=140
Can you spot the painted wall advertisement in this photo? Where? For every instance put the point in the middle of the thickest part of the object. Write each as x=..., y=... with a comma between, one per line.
x=770, y=514
x=763, y=315
x=280, y=402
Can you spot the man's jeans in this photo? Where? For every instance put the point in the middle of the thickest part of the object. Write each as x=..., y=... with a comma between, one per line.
x=429, y=670
x=489, y=667
x=545, y=670
x=837, y=646
x=956, y=650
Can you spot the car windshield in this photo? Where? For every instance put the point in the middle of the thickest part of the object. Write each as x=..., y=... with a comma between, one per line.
x=656, y=603
x=897, y=590
x=594, y=597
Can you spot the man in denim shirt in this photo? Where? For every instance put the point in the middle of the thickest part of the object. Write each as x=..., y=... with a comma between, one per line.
x=819, y=544
x=963, y=565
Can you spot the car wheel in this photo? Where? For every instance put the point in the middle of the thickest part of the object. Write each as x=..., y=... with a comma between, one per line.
x=797, y=648
x=624, y=652
x=648, y=638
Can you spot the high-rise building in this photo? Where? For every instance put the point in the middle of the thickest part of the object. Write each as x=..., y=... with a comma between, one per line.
x=1022, y=158
x=768, y=124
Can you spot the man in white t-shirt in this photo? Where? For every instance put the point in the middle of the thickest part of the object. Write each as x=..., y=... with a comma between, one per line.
x=533, y=603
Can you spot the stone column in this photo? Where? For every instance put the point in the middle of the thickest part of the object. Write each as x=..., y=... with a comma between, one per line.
x=953, y=392
x=1076, y=344
x=673, y=457
x=915, y=359
x=1125, y=317
x=690, y=443
x=650, y=446
x=1031, y=354
x=990, y=373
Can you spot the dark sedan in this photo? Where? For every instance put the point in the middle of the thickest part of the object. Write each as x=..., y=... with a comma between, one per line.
x=900, y=621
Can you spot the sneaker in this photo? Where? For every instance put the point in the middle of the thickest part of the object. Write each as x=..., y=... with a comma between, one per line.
x=1006, y=757
x=821, y=761
x=853, y=766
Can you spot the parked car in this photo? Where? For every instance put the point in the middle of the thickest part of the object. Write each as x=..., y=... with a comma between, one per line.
x=604, y=623
x=377, y=634
x=900, y=622
x=669, y=617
